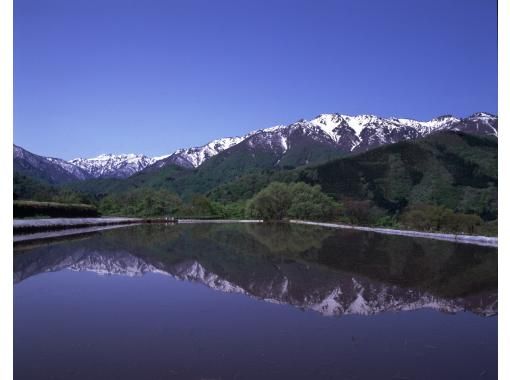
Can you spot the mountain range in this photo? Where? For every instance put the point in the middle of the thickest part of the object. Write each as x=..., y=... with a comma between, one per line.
x=284, y=146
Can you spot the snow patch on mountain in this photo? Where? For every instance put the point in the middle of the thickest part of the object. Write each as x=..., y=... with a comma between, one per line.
x=196, y=156
x=113, y=165
x=69, y=167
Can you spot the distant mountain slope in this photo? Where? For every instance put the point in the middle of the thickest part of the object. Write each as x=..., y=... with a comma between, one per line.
x=169, y=177
x=305, y=143
x=46, y=169
x=452, y=169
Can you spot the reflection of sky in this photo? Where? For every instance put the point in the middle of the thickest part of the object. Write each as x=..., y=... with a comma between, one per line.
x=81, y=325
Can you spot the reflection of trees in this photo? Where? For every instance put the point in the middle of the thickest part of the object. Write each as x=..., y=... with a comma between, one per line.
x=256, y=254
x=441, y=267
x=144, y=240
x=287, y=239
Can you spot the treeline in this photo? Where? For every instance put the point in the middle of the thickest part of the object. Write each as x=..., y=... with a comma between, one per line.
x=281, y=201
x=421, y=217
x=301, y=201
x=148, y=202
x=275, y=202
x=27, y=188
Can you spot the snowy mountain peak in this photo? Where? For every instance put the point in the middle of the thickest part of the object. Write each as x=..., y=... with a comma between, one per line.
x=484, y=115
x=445, y=117
x=113, y=165
x=111, y=156
x=274, y=128
x=196, y=156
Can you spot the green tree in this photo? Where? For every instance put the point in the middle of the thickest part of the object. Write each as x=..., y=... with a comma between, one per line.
x=438, y=218
x=141, y=203
x=271, y=203
x=424, y=217
x=296, y=200
x=308, y=202
x=363, y=212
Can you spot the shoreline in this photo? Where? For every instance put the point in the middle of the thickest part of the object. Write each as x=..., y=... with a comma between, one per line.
x=25, y=226
x=455, y=238
x=197, y=221
x=55, y=235
x=33, y=230
x=39, y=229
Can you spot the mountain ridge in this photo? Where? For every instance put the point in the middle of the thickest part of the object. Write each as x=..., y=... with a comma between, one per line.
x=49, y=169
x=298, y=143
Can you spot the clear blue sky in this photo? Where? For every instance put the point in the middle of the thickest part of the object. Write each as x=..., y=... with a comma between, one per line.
x=151, y=76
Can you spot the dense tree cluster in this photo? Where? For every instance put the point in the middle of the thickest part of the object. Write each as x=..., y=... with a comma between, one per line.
x=27, y=188
x=141, y=203
x=275, y=202
x=439, y=218
x=295, y=200
x=149, y=202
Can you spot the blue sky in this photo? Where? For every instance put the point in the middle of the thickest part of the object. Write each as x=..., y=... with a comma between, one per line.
x=151, y=76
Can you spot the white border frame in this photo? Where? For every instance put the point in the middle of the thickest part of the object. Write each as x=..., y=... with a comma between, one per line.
x=504, y=188
x=6, y=139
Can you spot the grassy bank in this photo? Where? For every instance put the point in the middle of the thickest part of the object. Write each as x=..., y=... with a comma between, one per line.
x=24, y=209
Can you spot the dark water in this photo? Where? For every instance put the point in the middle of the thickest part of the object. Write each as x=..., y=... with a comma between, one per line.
x=254, y=302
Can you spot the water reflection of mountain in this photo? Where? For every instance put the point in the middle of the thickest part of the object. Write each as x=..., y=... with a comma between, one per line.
x=332, y=272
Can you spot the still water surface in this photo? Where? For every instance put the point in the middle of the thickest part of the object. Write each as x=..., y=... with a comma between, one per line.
x=231, y=301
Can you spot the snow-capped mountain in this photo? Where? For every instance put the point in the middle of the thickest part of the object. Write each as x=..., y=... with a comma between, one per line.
x=362, y=132
x=196, y=156
x=113, y=165
x=303, y=140
x=343, y=133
